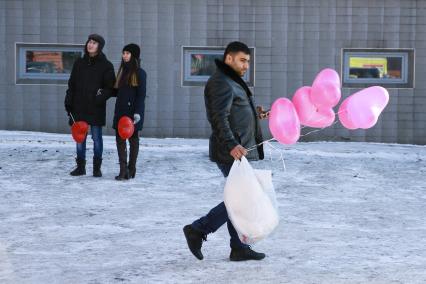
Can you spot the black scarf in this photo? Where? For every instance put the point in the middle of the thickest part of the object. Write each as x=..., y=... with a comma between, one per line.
x=227, y=70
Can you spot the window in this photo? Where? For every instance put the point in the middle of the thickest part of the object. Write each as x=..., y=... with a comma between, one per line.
x=390, y=68
x=38, y=63
x=198, y=65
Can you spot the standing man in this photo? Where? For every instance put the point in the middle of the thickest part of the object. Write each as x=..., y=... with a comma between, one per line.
x=235, y=127
x=90, y=85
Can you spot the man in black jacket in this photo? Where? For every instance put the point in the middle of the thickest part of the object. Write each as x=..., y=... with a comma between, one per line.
x=90, y=85
x=235, y=127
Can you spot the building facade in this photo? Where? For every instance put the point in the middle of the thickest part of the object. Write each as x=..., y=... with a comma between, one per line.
x=292, y=41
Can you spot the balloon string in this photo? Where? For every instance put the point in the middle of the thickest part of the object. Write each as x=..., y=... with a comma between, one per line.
x=316, y=130
x=72, y=117
x=257, y=145
x=267, y=142
x=280, y=151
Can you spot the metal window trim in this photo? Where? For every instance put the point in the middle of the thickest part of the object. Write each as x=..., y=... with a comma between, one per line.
x=408, y=68
x=199, y=82
x=22, y=78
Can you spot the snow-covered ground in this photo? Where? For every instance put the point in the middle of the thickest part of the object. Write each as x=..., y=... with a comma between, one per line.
x=350, y=213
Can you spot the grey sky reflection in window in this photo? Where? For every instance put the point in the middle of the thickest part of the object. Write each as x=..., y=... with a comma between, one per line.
x=203, y=64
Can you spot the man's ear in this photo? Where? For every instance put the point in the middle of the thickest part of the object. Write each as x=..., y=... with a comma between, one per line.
x=228, y=58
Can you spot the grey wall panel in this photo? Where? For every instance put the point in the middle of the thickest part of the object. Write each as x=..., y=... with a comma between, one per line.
x=294, y=40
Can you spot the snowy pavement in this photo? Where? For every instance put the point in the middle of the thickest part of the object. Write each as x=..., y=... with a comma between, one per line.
x=350, y=213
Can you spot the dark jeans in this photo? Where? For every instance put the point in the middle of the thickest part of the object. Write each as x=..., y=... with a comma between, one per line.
x=218, y=216
x=96, y=132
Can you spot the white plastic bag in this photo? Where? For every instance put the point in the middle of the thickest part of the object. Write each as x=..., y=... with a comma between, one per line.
x=250, y=201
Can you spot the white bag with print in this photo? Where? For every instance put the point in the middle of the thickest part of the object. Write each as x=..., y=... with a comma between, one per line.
x=250, y=201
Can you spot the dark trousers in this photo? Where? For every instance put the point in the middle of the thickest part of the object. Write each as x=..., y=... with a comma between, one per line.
x=218, y=216
x=96, y=132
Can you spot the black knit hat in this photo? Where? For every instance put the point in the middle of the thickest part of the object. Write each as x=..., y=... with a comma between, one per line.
x=99, y=39
x=133, y=49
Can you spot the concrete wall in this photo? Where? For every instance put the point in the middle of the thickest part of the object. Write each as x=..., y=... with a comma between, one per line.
x=294, y=40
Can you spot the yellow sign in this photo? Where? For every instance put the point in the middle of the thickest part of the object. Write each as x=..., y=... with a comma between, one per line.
x=370, y=62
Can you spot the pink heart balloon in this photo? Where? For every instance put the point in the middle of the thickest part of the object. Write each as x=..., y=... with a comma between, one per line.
x=309, y=114
x=362, y=109
x=284, y=123
x=326, y=89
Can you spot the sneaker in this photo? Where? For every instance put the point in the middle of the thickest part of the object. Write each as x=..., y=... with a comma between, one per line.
x=195, y=240
x=245, y=254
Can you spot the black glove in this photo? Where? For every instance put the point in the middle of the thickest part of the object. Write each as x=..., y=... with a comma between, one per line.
x=101, y=96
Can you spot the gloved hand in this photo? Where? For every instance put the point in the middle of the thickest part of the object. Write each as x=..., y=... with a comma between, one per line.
x=136, y=118
x=100, y=97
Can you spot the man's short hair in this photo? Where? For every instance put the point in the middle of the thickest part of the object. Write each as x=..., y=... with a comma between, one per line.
x=234, y=47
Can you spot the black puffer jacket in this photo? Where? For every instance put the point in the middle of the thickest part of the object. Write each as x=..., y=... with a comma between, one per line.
x=88, y=75
x=232, y=115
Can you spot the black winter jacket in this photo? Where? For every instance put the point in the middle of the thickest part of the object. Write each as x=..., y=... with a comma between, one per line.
x=131, y=100
x=88, y=75
x=232, y=115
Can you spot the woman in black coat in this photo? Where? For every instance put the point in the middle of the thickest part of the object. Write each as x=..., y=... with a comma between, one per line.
x=90, y=85
x=131, y=92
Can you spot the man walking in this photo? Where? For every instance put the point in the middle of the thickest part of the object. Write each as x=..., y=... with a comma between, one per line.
x=235, y=127
x=90, y=85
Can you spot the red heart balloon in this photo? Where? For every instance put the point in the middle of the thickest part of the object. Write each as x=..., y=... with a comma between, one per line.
x=125, y=127
x=79, y=131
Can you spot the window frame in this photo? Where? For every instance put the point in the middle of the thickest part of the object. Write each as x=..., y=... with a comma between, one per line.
x=407, y=69
x=188, y=80
x=25, y=78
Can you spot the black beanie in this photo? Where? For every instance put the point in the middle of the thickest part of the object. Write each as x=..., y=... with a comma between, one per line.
x=133, y=49
x=99, y=39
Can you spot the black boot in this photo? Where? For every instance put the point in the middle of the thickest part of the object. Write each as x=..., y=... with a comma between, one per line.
x=124, y=172
x=122, y=158
x=194, y=240
x=97, y=162
x=245, y=254
x=81, y=168
x=133, y=155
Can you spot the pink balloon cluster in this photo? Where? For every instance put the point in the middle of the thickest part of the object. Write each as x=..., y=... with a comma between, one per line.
x=315, y=104
x=313, y=107
x=310, y=106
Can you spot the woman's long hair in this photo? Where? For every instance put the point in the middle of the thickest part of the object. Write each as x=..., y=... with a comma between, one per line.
x=128, y=73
